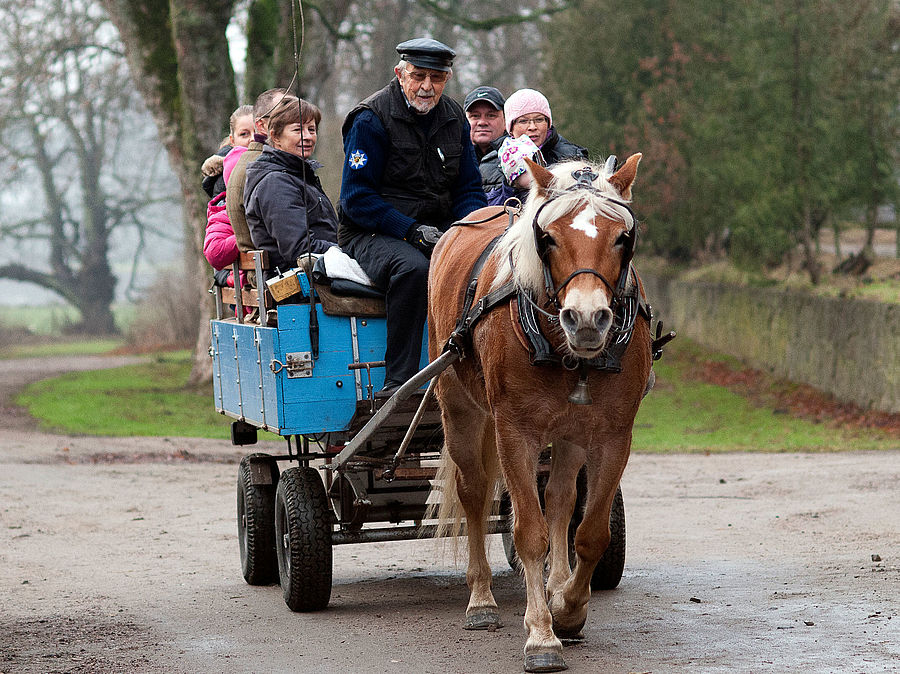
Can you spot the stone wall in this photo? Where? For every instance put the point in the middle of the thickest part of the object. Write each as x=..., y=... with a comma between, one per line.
x=848, y=348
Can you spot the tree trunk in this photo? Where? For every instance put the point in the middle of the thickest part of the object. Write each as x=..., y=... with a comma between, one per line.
x=206, y=82
x=810, y=260
x=179, y=58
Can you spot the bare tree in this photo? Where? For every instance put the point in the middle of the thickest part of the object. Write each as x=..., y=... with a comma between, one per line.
x=68, y=112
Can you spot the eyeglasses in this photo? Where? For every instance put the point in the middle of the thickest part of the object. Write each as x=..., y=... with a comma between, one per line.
x=436, y=77
x=539, y=120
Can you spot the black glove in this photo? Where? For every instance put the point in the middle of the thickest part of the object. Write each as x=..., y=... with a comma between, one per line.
x=423, y=237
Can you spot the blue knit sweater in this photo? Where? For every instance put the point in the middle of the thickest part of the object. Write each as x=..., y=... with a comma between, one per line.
x=360, y=197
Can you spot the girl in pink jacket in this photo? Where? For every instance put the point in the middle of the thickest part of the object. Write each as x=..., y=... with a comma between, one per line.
x=219, y=245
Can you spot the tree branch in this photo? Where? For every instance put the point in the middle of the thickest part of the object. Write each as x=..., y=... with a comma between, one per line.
x=19, y=272
x=489, y=24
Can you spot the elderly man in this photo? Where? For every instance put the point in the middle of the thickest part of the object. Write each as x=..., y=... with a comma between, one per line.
x=410, y=171
x=484, y=110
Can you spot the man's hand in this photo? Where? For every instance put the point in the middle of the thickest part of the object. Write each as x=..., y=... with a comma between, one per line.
x=423, y=237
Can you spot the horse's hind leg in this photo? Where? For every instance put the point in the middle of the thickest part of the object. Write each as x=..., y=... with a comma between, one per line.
x=559, y=502
x=469, y=438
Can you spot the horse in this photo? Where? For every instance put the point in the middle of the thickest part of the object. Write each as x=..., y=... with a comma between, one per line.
x=569, y=253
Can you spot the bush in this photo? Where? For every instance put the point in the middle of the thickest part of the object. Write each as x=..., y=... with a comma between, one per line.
x=14, y=335
x=166, y=317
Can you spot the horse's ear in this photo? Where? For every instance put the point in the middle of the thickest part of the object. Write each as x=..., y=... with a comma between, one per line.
x=542, y=176
x=624, y=177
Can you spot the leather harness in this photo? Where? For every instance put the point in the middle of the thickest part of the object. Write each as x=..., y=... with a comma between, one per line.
x=627, y=301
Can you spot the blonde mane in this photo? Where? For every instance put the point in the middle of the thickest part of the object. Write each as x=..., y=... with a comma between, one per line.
x=518, y=245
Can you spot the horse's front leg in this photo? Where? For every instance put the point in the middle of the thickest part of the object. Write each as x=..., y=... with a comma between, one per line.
x=559, y=503
x=543, y=651
x=604, y=468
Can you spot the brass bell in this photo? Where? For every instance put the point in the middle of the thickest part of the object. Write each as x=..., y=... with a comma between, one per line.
x=581, y=394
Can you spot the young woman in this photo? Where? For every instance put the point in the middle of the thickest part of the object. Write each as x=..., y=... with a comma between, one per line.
x=240, y=134
x=287, y=211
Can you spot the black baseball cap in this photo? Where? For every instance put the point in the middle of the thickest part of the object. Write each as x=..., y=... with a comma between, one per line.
x=486, y=94
x=427, y=53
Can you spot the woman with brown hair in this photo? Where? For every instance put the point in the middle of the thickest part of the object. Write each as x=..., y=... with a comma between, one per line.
x=287, y=211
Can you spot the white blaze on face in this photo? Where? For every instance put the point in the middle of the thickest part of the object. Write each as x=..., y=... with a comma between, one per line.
x=584, y=222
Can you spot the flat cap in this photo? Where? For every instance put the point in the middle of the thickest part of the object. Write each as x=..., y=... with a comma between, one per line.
x=486, y=94
x=427, y=53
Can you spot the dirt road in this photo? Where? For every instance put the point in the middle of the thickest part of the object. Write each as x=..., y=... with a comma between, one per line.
x=736, y=563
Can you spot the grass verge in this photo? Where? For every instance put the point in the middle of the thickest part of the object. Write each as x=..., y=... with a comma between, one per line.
x=150, y=399
x=682, y=414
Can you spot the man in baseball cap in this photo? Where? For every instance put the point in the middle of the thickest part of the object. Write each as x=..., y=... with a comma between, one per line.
x=484, y=110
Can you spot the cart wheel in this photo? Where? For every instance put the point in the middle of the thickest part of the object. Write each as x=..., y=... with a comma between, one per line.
x=256, y=523
x=608, y=571
x=303, y=536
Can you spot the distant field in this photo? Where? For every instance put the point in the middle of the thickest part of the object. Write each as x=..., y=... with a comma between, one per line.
x=38, y=347
x=52, y=319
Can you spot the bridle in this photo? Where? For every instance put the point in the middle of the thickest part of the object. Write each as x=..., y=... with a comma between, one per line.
x=584, y=178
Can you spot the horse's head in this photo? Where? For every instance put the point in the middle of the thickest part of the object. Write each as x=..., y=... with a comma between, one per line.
x=573, y=243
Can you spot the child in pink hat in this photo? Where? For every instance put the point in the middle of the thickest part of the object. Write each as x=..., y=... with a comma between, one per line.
x=517, y=180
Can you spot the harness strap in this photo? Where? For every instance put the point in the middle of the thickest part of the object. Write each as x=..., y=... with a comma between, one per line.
x=540, y=351
x=628, y=308
x=460, y=338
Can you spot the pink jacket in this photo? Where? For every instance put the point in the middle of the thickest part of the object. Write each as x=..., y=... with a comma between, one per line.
x=219, y=245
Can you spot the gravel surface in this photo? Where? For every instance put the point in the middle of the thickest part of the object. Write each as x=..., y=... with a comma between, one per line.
x=120, y=555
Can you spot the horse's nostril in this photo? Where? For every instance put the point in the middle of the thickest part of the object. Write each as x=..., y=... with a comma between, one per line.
x=569, y=319
x=603, y=319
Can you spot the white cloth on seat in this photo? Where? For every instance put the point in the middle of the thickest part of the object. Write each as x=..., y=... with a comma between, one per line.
x=340, y=265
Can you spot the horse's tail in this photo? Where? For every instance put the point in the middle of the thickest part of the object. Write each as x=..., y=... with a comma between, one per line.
x=448, y=511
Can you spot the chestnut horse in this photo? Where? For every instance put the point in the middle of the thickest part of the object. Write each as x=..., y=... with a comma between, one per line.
x=570, y=251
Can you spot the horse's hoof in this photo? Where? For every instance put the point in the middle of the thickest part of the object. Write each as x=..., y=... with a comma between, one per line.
x=483, y=620
x=545, y=662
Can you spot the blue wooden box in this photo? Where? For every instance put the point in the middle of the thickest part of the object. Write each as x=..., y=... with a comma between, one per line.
x=268, y=378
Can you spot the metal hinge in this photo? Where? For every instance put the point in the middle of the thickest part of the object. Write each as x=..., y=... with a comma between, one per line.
x=299, y=364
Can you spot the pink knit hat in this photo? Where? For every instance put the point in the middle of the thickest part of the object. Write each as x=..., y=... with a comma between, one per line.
x=524, y=102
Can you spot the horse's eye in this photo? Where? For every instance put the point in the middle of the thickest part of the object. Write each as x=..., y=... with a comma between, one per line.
x=544, y=243
x=622, y=239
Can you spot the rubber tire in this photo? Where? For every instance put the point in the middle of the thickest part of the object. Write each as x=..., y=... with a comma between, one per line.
x=303, y=534
x=256, y=524
x=608, y=572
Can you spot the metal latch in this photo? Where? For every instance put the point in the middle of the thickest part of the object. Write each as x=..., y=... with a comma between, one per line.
x=299, y=364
